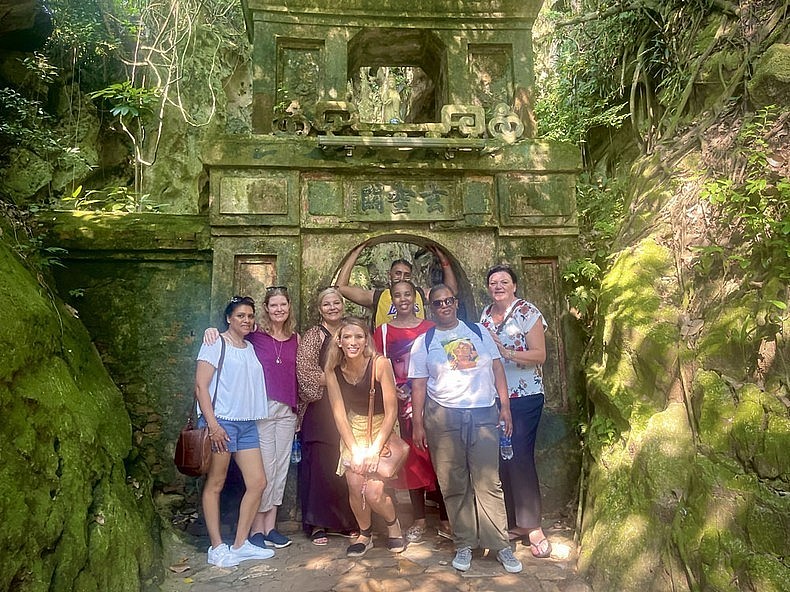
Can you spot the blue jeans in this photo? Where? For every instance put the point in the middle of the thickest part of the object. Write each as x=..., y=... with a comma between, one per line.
x=464, y=445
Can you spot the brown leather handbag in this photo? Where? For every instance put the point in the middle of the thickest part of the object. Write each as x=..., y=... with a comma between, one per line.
x=395, y=451
x=193, y=448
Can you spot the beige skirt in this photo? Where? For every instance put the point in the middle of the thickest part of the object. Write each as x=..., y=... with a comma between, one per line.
x=359, y=427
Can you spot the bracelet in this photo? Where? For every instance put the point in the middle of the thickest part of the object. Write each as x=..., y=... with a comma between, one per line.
x=511, y=353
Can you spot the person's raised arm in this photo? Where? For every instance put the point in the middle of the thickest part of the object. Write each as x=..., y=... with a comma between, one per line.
x=356, y=294
x=448, y=275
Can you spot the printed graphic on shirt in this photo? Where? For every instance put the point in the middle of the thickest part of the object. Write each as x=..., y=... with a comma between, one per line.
x=461, y=354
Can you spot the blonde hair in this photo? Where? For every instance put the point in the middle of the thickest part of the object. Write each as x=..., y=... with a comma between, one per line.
x=335, y=355
x=266, y=323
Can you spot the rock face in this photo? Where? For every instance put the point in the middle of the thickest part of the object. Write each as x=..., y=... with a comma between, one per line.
x=75, y=516
x=689, y=381
x=770, y=84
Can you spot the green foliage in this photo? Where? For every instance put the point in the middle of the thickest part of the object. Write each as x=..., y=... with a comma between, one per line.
x=23, y=123
x=113, y=199
x=754, y=207
x=128, y=100
x=613, y=62
x=601, y=208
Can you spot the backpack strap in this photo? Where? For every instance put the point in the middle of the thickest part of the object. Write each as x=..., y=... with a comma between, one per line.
x=474, y=327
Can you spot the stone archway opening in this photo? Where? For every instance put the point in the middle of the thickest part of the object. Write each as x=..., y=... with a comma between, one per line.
x=374, y=262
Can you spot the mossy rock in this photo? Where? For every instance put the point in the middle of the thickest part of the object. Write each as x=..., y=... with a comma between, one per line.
x=636, y=344
x=71, y=519
x=770, y=84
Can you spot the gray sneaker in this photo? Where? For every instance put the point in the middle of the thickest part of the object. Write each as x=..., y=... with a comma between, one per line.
x=221, y=556
x=463, y=559
x=508, y=560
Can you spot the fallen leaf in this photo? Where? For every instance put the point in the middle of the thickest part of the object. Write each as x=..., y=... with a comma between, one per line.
x=179, y=568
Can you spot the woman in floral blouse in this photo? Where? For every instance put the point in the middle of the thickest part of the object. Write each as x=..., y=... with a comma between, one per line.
x=518, y=328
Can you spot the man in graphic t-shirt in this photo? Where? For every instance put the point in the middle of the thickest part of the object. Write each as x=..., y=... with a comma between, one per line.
x=380, y=301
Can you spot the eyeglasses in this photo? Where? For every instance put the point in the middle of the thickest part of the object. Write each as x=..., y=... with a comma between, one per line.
x=275, y=288
x=438, y=303
x=242, y=299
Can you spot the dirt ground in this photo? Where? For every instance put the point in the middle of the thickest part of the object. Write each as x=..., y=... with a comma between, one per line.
x=304, y=567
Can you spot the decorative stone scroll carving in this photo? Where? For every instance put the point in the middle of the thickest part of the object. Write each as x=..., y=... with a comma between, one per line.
x=332, y=117
x=505, y=125
x=293, y=121
x=469, y=120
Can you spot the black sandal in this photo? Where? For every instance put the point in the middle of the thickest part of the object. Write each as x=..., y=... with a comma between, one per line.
x=395, y=544
x=359, y=549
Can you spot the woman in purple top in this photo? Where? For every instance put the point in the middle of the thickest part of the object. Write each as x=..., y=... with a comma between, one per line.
x=275, y=343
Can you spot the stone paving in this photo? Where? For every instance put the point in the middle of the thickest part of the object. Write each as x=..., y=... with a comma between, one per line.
x=424, y=567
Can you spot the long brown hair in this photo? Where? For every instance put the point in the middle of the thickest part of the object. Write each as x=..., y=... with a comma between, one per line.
x=266, y=323
x=335, y=355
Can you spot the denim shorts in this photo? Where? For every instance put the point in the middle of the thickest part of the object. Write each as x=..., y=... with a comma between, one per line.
x=243, y=434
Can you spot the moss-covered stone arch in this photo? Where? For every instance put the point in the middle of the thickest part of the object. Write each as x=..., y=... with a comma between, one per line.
x=464, y=288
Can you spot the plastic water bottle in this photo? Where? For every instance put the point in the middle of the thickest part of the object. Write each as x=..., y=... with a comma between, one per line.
x=296, y=451
x=505, y=445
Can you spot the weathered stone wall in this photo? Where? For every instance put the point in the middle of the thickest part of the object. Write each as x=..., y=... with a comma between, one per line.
x=143, y=292
x=75, y=501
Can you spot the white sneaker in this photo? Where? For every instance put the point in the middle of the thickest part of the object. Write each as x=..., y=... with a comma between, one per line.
x=221, y=556
x=250, y=551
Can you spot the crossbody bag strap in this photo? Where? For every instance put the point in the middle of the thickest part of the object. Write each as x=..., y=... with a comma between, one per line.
x=216, y=385
x=370, y=398
x=516, y=303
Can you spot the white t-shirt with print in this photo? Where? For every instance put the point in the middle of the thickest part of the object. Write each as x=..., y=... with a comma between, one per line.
x=458, y=367
x=242, y=392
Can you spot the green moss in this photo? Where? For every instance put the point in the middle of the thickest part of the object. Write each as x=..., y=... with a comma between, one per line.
x=729, y=341
x=63, y=442
x=716, y=409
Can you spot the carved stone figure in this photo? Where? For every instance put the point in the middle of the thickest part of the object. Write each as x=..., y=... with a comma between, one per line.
x=390, y=103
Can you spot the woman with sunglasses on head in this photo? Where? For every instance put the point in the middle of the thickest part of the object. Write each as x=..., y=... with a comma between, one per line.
x=351, y=369
x=518, y=329
x=457, y=377
x=322, y=492
x=394, y=340
x=231, y=419
x=275, y=343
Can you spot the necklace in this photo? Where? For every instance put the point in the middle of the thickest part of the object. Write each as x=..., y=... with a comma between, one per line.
x=278, y=351
x=354, y=381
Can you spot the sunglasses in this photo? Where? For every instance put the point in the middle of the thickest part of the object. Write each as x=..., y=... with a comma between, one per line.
x=275, y=288
x=438, y=303
x=242, y=299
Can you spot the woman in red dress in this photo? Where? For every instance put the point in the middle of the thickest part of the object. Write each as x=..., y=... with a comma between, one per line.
x=394, y=340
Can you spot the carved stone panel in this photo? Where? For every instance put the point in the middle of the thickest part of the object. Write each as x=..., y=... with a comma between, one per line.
x=252, y=273
x=491, y=69
x=299, y=71
x=536, y=200
x=406, y=198
x=254, y=195
x=541, y=275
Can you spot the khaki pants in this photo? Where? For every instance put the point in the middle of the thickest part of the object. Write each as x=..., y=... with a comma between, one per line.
x=464, y=446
